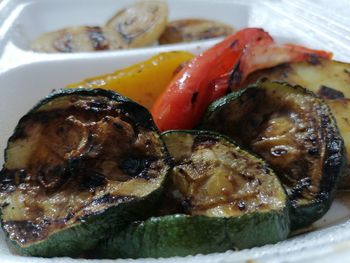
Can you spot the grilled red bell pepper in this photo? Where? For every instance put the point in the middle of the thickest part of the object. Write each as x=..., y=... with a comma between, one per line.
x=210, y=75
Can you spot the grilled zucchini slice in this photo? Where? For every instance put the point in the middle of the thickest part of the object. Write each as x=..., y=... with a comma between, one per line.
x=341, y=111
x=295, y=132
x=80, y=163
x=330, y=80
x=225, y=198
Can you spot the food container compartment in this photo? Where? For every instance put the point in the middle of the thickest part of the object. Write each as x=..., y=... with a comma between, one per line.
x=37, y=17
x=26, y=77
x=23, y=21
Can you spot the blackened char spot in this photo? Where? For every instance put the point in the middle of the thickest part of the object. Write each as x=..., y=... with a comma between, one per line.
x=90, y=180
x=187, y=205
x=236, y=76
x=136, y=115
x=25, y=231
x=64, y=43
x=347, y=71
x=110, y=199
x=285, y=69
x=22, y=174
x=234, y=43
x=60, y=131
x=298, y=189
x=313, y=59
x=204, y=141
x=107, y=199
x=20, y=132
x=122, y=28
x=313, y=151
x=51, y=178
x=334, y=149
x=97, y=105
x=98, y=40
x=249, y=178
x=194, y=97
x=69, y=216
x=329, y=93
x=118, y=126
x=44, y=117
x=179, y=68
x=136, y=166
x=8, y=180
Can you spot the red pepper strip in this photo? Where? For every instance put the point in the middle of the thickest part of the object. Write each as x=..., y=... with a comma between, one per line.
x=260, y=57
x=203, y=80
x=208, y=76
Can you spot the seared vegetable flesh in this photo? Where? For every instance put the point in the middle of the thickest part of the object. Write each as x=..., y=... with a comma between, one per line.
x=187, y=30
x=330, y=80
x=225, y=198
x=292, y=130
x=77, y=156
x=341, y=111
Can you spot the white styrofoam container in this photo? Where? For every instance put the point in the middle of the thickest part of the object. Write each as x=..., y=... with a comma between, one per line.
x=26, y=77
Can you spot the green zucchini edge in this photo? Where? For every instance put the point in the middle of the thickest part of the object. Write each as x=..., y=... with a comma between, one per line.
x=184, y=235
x=75, y=240
x=304, y=215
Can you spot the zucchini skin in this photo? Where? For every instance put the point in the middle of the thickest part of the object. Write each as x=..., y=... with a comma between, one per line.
x=143, y=117
x=184, y=235
x=334, y=163
x=88, y=230
x=85, y=235
x=328, y=79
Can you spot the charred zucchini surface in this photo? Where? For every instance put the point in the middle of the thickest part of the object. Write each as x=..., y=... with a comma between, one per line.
x=294, y=132
x=341, y=111
x=78, y=164
x=329, y=80
x=226, y=199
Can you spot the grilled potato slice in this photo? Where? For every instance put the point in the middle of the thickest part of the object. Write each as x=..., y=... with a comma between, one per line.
x=187, y=30
x=140, y=24
x=327, y=78
x=78, y=39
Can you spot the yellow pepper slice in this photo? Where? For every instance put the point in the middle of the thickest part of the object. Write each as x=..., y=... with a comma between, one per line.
x=142, y=82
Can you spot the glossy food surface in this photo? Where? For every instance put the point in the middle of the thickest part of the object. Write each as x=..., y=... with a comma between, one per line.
x=292, y=130
x=77, y=154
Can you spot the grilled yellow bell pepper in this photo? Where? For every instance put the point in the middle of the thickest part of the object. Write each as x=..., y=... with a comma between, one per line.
x=141, y=82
